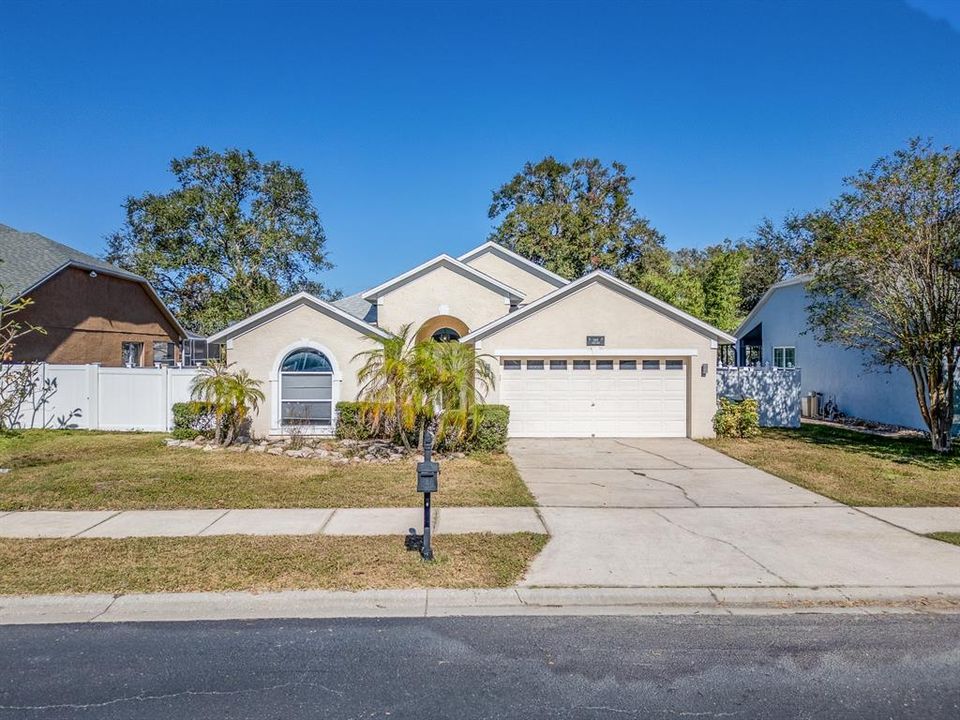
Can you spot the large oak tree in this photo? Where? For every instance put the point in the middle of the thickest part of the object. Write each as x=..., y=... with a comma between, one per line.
x=234, y=236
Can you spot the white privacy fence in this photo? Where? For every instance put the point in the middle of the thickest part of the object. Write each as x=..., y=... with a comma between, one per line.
x=776, y=390
x=107, y=398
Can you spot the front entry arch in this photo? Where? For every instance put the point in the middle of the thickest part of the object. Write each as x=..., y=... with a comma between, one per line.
x=442, y=322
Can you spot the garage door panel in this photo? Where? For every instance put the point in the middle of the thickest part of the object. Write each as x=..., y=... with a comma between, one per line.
x=600, y=403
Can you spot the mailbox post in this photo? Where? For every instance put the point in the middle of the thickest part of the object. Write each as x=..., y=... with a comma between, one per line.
x=428, y=473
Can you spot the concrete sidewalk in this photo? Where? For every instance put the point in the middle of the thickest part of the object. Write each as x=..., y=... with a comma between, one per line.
x=182, y=607
x=184, y=523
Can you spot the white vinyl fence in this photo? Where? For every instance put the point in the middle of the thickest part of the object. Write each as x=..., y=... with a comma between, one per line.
x=108, y=398
x=776, y=390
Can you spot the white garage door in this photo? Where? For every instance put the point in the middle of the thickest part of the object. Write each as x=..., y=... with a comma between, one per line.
x=618, y=397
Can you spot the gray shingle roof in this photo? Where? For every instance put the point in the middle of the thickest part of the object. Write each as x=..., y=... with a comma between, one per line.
x=358, y=307
x=26, y=258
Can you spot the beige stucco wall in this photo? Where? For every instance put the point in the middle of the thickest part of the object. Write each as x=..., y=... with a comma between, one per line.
x=625, y=323
x=506, y=272
x=440, y=292
x=260, y=351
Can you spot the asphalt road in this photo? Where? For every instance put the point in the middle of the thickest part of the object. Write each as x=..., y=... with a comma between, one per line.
x=797, y=666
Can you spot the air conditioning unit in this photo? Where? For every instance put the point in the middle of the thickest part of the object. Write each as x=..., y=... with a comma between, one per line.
x=810, y=405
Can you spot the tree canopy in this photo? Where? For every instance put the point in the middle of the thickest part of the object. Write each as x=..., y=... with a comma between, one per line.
x=234, y=236
x=888, y=281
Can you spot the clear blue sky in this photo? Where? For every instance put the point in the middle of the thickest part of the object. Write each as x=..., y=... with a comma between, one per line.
x=404, y=117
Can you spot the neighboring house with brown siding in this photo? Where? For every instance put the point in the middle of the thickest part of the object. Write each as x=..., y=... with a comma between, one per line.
x=92, y=312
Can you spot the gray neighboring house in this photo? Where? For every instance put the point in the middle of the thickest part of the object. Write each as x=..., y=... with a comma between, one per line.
x=775, y=334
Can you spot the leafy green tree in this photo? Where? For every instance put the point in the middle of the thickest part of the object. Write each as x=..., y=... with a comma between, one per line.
x=776, y=252
x=234, y=236
x=575, y=218
x=722, y=278
x=888, y=277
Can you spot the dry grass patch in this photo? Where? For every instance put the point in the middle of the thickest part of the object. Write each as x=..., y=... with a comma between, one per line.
x=852, y=467
x=240, y=562
x=85, y=470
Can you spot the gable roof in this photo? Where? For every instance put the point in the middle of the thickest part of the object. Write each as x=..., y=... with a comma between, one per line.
x=795, y=280
x=285, y=306
x=615, y=284
x=358, y=307
x=518, y=260
x=451, y=264
x=30, y=259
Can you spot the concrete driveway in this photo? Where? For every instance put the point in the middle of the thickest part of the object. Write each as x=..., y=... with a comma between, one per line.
x=671, y=512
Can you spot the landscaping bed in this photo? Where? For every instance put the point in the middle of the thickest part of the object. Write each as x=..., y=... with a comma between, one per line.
x=852, y=467
x=88, y=470
x=240, y=562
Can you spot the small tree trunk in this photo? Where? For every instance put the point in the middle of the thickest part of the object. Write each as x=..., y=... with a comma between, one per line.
x=402, y=431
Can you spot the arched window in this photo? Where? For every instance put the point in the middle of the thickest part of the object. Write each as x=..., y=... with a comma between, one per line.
x=306, y=388
x=446, y=334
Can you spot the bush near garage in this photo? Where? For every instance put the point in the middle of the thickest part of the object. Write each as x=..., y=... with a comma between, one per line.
x=737, y=419
x=489, y=435
x=193, y=418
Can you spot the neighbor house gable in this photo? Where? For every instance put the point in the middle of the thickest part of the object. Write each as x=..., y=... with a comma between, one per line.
x=607, y=281
x=748, y=321
x=285, y=306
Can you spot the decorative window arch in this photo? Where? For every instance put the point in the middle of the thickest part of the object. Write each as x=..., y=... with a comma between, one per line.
x=306, y=388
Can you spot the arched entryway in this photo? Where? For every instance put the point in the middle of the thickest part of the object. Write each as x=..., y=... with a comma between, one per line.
x=442, y=328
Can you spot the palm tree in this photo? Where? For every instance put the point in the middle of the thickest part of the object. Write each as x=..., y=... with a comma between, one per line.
x=388, y=385
x=231, y=395
x=462, y=379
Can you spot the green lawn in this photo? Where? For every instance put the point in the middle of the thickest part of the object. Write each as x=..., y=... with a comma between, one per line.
x=950, y=537
x=852, y=467
x=241, y=562
x=81, y=470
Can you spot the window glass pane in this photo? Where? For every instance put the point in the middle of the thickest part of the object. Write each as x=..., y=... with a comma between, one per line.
x=581, y=364
x=305, y=413
x=651, y=364
x=511, y=364
x=778, y=357
x=604, y=364
x=790, y=357
x=306, y=387
x=132, y=354
x=628, y=364
x=163, y=352
x=558, y=364
x=534, y=364
x=674, y=364
x=307, y=361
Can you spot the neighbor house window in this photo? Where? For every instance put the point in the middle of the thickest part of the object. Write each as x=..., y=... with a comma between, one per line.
x=558, y=364
x=581, y=364
x=131, y=354
x=674, y=364
x=306, y=389
x=651, y=364
x=534, y=364
x=604, y=364
x=163, y=353
x=628, y=364
x=784, y=357
x=511, y=364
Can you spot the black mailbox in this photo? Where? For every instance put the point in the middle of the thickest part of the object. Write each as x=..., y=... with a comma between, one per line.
x=428, y=473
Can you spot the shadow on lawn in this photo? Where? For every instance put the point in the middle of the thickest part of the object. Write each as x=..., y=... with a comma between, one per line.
x=906, y=451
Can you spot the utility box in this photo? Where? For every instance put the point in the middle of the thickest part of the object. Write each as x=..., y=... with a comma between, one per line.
x=810, y=405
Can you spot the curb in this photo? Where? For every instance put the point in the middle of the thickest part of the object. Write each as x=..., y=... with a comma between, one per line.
x=210, y=606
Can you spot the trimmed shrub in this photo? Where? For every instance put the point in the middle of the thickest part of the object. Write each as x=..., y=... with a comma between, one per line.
x=351, y=423
x=737, y=419
x=193, y=418
x=491, y=434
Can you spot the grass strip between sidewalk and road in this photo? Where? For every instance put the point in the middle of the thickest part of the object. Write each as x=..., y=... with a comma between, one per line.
x=852, y=467
x=89, y=470
x=950, y=537
x=240, y=562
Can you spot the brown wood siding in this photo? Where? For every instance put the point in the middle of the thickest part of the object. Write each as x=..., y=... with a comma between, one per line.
x=87, y=319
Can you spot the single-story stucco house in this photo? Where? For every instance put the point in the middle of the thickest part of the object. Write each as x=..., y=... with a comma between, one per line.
x=776, y=334
x=592, y=357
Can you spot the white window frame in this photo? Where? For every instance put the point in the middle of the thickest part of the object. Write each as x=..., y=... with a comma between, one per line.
x=783, y=358
x=276, y=419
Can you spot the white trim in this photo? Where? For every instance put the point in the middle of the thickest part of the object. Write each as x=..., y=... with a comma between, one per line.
x=518, y=260
x=797, y=280
x=276, y=427
x=451, y=262
x=617, y=284
x=288, y=304
x=773, y=357
x=597, y=352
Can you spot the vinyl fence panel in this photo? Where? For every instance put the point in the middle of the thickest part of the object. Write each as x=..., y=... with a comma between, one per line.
x=776, y=390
